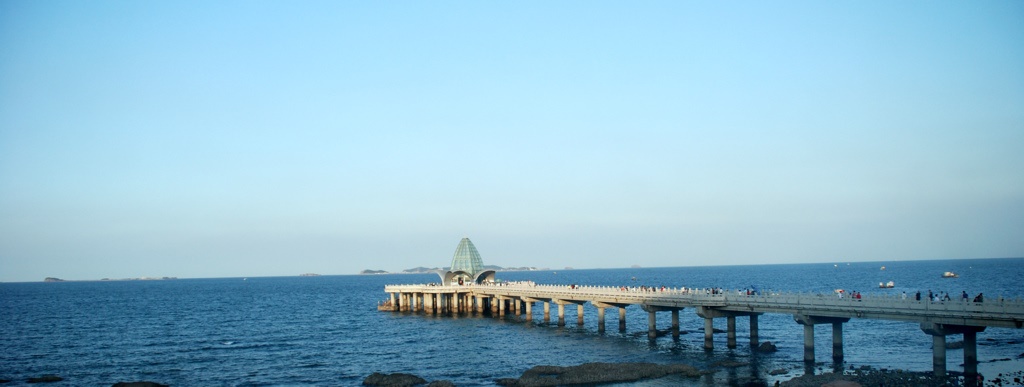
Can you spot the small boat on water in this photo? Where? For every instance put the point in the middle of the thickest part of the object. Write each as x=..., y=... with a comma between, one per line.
x=950, y=274
x=887, y=285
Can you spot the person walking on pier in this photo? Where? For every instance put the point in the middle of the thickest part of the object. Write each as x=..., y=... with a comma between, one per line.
x=965, y=296
x=918, y=296
x=904, y=296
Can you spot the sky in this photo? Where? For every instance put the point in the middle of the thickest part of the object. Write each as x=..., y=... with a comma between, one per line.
x=263, y=138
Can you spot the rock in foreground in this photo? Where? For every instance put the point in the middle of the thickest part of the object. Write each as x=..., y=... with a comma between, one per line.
x=45, y=379
x=594, y=373
x=393, y=380
x=767, y=347
x=402, y=380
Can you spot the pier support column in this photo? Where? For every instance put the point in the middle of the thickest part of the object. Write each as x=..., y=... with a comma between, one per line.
x=622, y=319
x=415, y=302
x=652, y=318
x=709, y=333
x=529, y=310
x=675, y=324
x=600, y=319
x=501, y=307
x=837, y=342
x=809, y=343
x=939, y=355
x=394, y=304
x=753, y=331
x=970, y=355
x=547, y=311
x=579, y=314
x=837, y=333
x=730, y=333
x=652, y=326
x=561, y=315
x=939, y=332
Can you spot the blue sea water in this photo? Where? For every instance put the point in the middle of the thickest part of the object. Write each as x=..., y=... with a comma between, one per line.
x=326, y=330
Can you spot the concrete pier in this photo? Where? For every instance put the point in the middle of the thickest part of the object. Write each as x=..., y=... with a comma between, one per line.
x=622, y=319
x=675, y=324
x=753, y=330
x=652, y=325
x=936, y=319
x=809, y=343
x=837, y=342
x=561, y=314
x=709, y=333
x=730, y=332
x=971, y=354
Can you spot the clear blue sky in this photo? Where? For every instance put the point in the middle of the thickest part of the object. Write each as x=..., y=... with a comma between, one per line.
x=251, y=138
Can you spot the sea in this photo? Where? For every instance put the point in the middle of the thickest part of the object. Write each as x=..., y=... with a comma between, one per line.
x=326, y=330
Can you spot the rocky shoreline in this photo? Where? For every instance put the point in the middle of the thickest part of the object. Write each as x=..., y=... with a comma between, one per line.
x=590, y=374
x=548, y=376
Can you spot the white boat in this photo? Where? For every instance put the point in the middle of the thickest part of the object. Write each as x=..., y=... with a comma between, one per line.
x=887, y=285
x=950, y=274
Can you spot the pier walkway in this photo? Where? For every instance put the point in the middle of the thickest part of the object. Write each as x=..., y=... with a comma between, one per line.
x=937, y=319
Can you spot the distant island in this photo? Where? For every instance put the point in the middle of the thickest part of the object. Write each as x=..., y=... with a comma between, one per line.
x=55, y=279
x=424, y=270
x=309, y=275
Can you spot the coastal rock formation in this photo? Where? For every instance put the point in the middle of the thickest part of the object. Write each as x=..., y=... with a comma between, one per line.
x=729, y=364
x=393, y=380
x=594, y=373
x=767, y=347
x=45, y=379
x=139, y=384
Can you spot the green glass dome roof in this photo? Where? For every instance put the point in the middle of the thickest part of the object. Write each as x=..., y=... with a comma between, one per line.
x=467, y=259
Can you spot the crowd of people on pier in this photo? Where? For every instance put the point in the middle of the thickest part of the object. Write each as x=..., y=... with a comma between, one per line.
x=944, y=296
x=854, y=295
